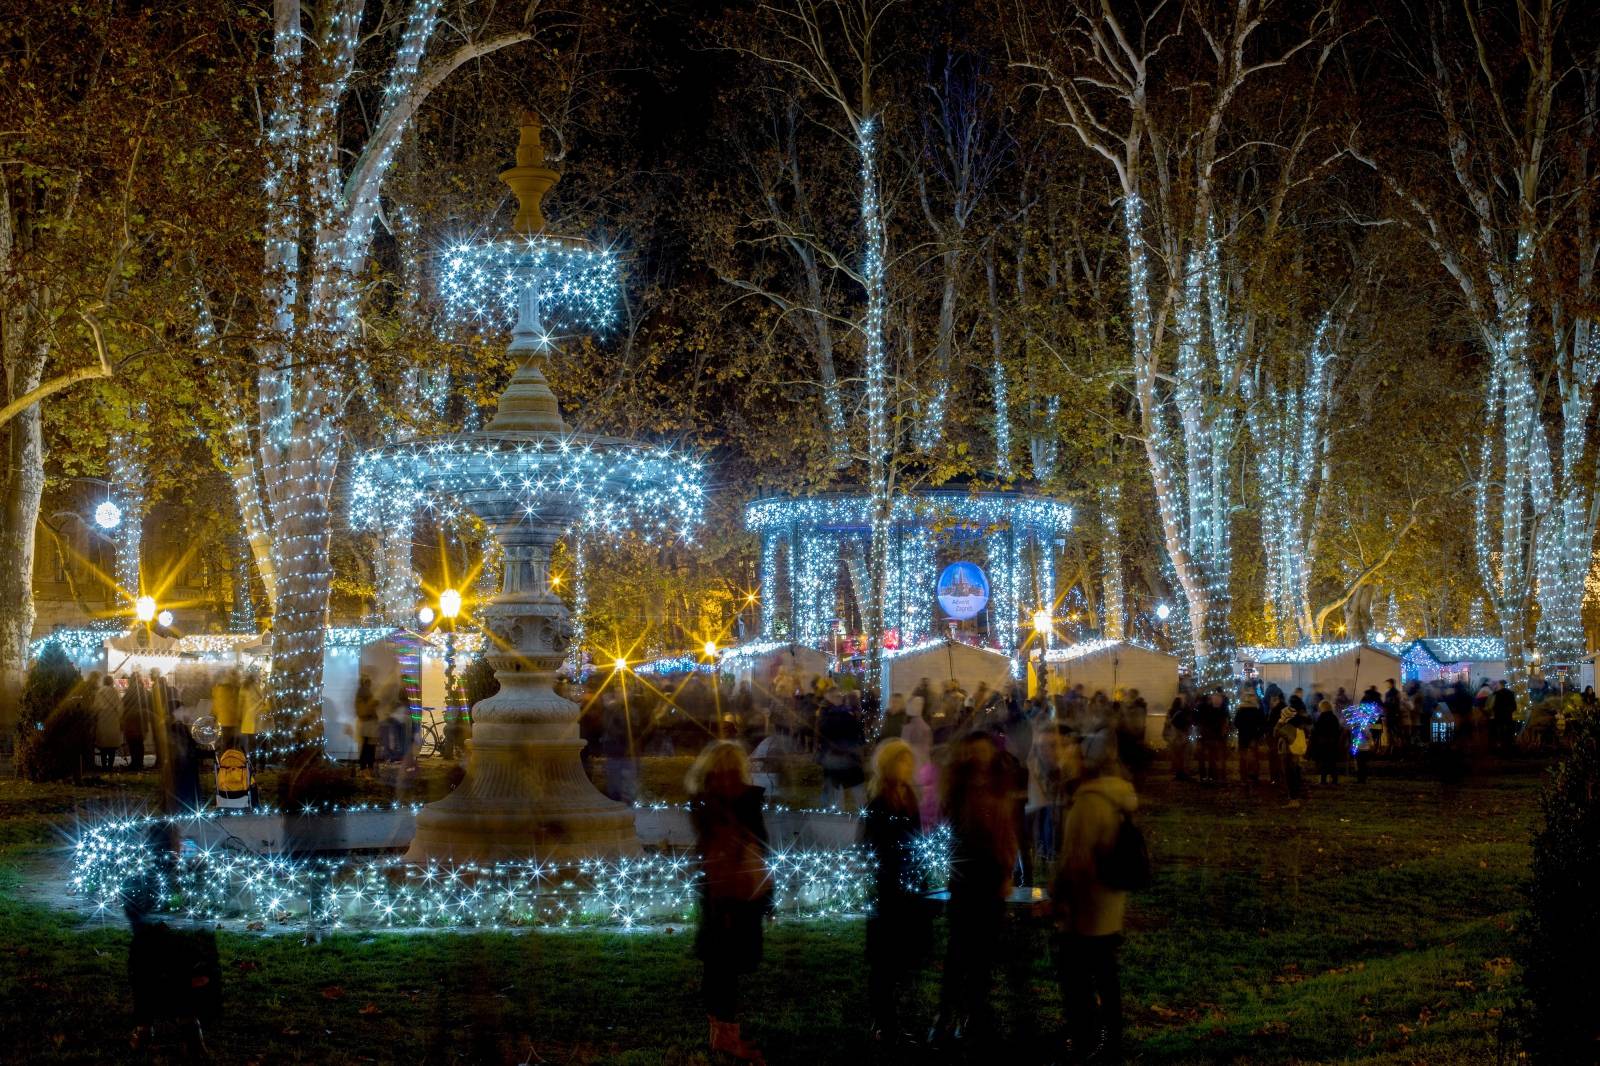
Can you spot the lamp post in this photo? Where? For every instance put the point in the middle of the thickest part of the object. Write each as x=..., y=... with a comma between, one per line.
x=449, y=608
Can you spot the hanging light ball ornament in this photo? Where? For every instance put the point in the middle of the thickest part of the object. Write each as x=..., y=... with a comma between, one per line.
x=164, y=619
x=108, y=515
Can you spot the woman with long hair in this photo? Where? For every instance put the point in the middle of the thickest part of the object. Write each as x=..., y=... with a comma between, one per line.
x=983, y=855
x=735, y=886
x=895, y=930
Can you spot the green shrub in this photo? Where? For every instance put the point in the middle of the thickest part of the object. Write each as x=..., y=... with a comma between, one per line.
x=478, y=681
x=62, y=748
x=50, y=678
x=1562, y=926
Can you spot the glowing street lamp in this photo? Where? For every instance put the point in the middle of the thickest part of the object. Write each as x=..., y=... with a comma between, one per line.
x=449, y=608
x=1043, y=624
x=144, y=609
x=619, y=665
x=711, y=649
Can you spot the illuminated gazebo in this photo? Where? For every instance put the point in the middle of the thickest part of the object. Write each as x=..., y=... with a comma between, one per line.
x=814, y=558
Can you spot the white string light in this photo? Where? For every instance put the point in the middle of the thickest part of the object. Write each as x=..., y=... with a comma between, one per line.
x=809, y=532
x=115, y=858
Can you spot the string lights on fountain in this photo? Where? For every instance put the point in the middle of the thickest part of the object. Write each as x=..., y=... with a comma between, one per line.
x=655, y=492
x=118, y=857
x=482, y=283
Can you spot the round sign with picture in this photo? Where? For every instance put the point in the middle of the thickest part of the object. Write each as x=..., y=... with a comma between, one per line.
x=963, y=590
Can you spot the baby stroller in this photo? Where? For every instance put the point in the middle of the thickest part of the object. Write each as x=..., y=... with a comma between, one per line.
x=236, y=786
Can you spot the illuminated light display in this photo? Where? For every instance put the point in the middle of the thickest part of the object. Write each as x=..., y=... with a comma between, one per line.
x=387, y=893
x=1357, y=718
x=1289, y=426
x=482, y=283
x=1190, y=467
x=617, y=487
x=803, y=539
x=1304, y=653
x=108, y=515
x=1085, y=648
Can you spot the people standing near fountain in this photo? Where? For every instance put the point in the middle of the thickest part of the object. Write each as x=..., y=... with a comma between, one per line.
x=983, y=854
x=225, y=707
x=135, y=720
x=895, y=926
x=367, y=725
x=841, y=743
x=107, y=708
x=735, y=886
x=251, y=704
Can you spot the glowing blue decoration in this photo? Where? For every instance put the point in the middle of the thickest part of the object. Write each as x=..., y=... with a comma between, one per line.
x=601, y=485
x=963, y=590
x=482, y=283
x=1358, y=718
x=1086, y=648
x=385, y=892
x=803, y=538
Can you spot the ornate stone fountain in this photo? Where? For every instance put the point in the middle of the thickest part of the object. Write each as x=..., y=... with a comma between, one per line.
x=532, y=480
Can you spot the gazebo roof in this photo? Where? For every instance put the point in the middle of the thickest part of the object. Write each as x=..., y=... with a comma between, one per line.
x=1461, y=649
x=920, y=507
x=1305, y=653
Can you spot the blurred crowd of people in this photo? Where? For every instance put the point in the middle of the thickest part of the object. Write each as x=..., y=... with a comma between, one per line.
x=1035, y=792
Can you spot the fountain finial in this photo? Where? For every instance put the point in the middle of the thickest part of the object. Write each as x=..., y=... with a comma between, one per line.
x=530, y=179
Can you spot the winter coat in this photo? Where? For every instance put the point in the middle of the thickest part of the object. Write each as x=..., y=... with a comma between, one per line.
x=107, y=717
x=366, y=717
x=896, y=926
x=1325, y=736
x=1251, y=722
x=735, y=888
x=1092, y=908
x=250, y=704
x=840, y=745
x=225, y=704
x=135, y=711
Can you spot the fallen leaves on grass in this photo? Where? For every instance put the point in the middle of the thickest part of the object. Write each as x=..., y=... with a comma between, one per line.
x=371, y=1008
x=333, y=992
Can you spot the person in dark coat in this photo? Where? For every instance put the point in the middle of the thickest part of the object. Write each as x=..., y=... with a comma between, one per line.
x=1251, y=723
x=135, y=720
x=1393, y=716
x=1277, y=711
x=1326, y=735
x=841, y=744
x=1180, y=720
x=895, y=721
x=735, y=886
x=1503, y=712
x=1212, y=718
x=983, y=854
x=896, y=929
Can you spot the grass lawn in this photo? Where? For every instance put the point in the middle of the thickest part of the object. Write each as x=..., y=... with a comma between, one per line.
x=1373, y=925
